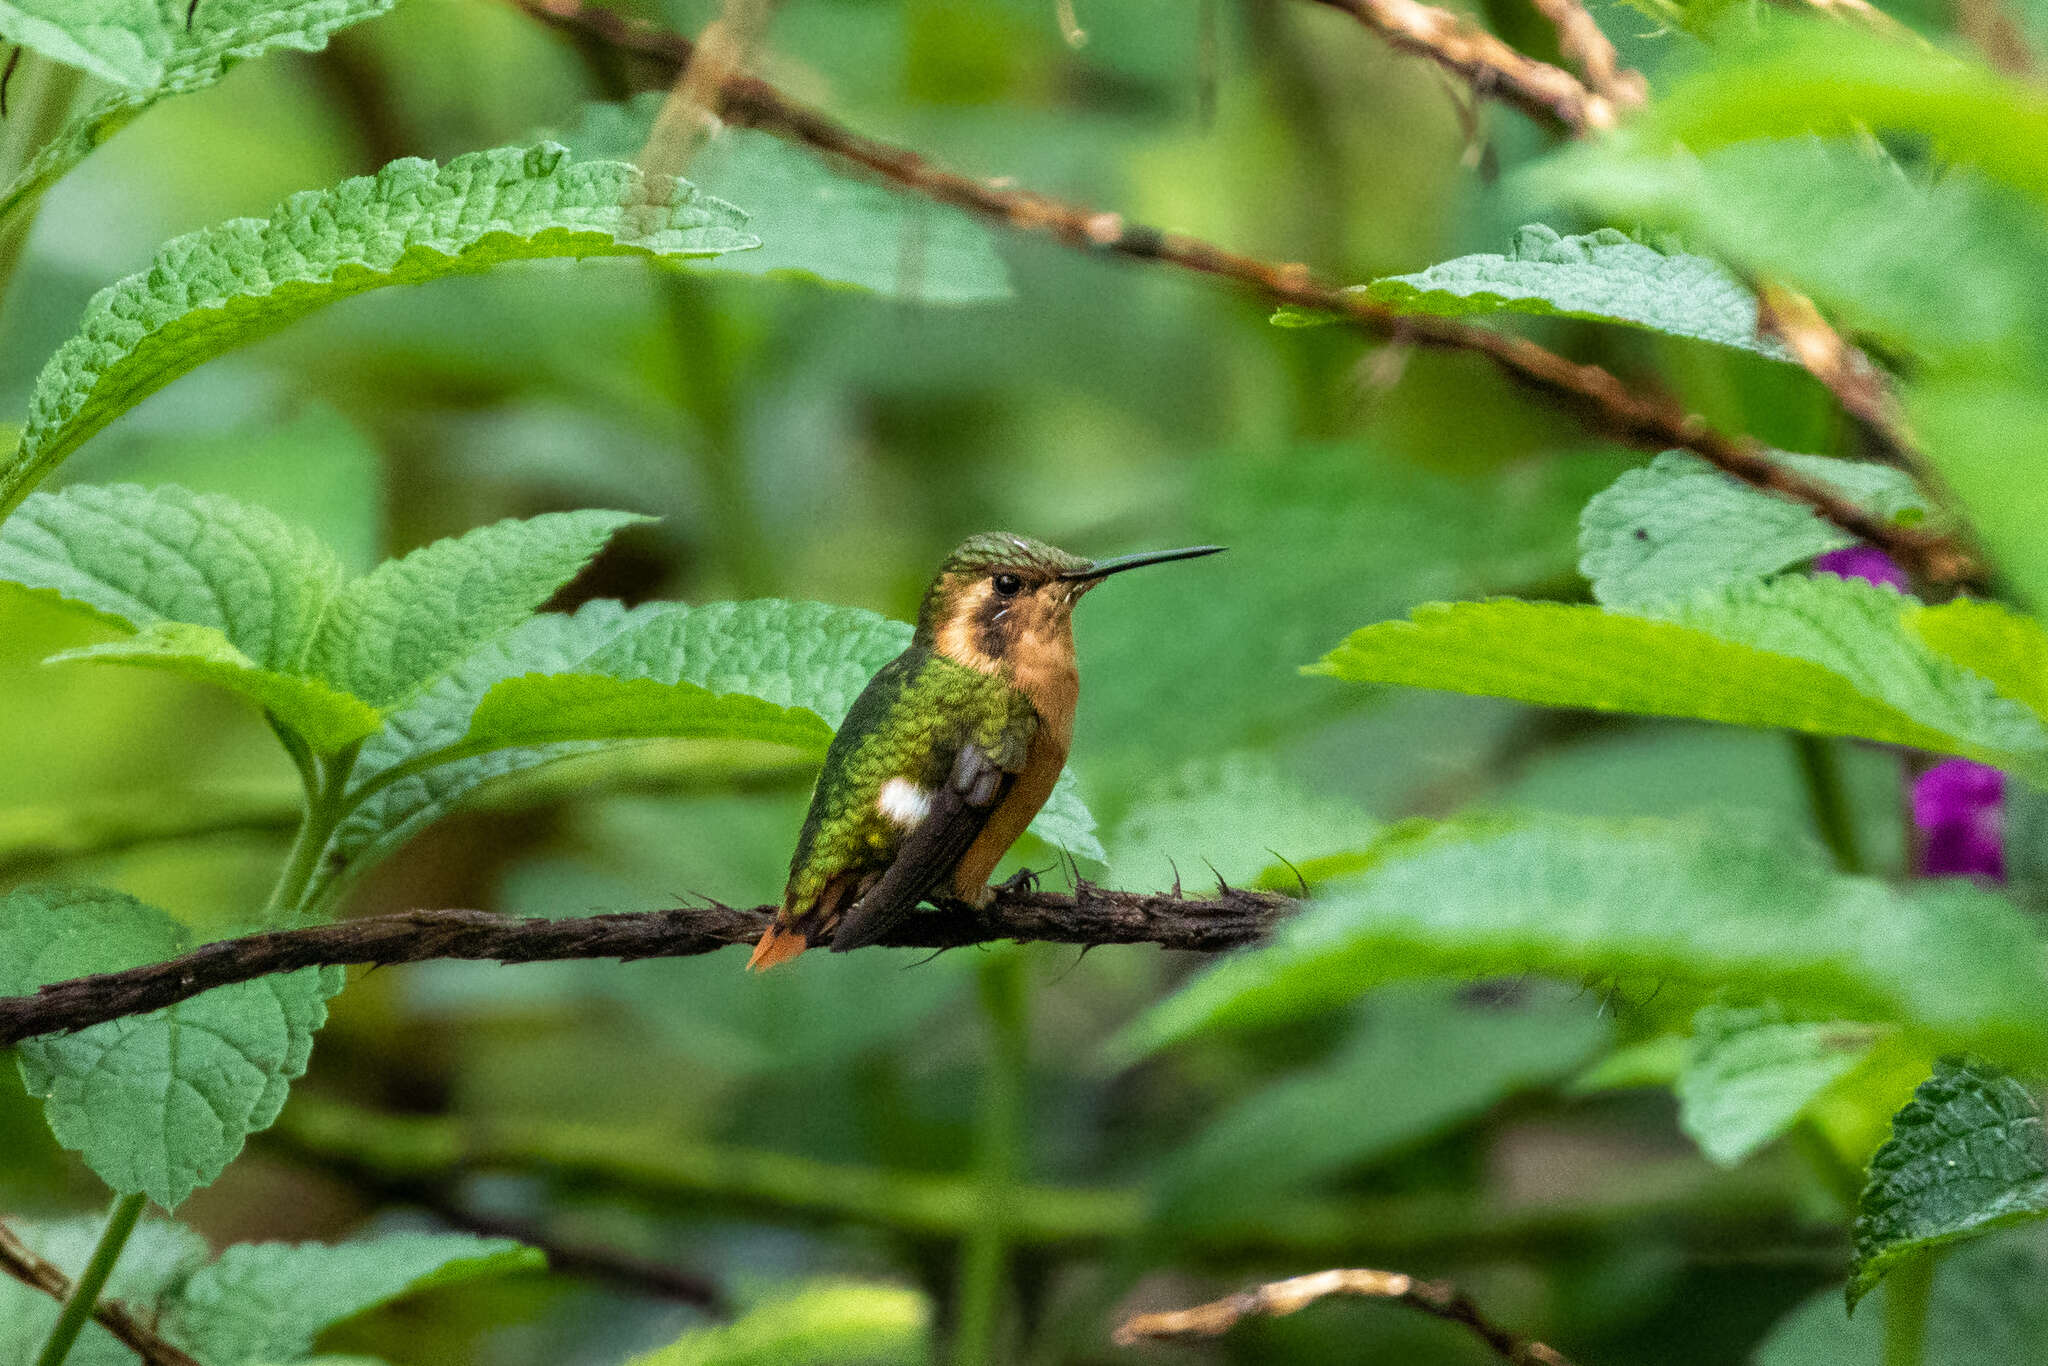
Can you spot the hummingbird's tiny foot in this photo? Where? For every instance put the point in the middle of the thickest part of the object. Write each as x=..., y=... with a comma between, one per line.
x=1020, y=883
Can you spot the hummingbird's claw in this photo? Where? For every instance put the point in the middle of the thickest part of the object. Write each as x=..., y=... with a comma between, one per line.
x=1023, y=882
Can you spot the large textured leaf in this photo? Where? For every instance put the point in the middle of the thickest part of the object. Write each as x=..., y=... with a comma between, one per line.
x=209, y=292
x=409, y=620
x=267, y=1302
x=1952, y=269
x=221, y=33
x=1678, y=903
x=541, y=709
x=146, y=556
x=1821, y=655
x=1967, y=1154
x=1419, y=1061
x=826, y=1323
x=1603, y=276
x=325, y=716
x=157, y=1103
x=1679, y=526
x=124, y=41
x=815, y=223
x=1993, y=642
x=1750, y=1071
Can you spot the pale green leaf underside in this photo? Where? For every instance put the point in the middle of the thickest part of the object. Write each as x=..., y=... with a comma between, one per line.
x=267, y=1302
x=385, y=635
x=826, y=1323
x=223, y=32
x=157, y=1103
x=1820, y=655
x=815, y=223
x=1602, y=276
x=1967, y=1154
x=123, y=41
x=2005, y=648
x=1750, y=1071
x=1664, y=902
x=213, y=290
x=144, y=556
x=1678, y=527
x=542, y=709
x=326, y=717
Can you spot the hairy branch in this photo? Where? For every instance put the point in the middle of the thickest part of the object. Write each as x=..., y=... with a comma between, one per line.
x=1436, y=1298
x=1093, y=915
x=1648, y=421
x=19, y=1260
x=1546, y=93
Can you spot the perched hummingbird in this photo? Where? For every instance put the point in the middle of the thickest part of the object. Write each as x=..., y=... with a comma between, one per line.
x=949, y=751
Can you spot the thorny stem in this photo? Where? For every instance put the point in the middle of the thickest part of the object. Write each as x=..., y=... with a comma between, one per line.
x=984, y=1254
x=85, y=1293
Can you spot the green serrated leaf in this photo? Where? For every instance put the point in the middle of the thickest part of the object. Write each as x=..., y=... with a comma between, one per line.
x=144, y=556
x=1967, y=1154
x=543, y=709
x=1419, y=1061
x=1712, y=907
x=1821, y=655
x=211, y=291
x=2008, y=650
x=815, y=223
x=825, y=1323
x=387, y=634
x=1750, y=1070
x=157, y=1103
x=1679, y=526
x=1602, y=276
x=264, y=1302
x=220, y=34
x=123, y=41
x=327, y=718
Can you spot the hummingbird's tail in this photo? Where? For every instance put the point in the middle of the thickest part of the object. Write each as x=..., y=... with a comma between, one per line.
x=779, y=943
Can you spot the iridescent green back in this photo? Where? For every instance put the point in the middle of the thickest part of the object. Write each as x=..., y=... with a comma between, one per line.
x=909, y=722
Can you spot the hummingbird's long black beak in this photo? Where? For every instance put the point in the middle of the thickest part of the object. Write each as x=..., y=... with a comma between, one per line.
x=1102, y=569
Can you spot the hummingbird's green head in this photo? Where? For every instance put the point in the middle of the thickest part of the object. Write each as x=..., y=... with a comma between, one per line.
x=1000, y=599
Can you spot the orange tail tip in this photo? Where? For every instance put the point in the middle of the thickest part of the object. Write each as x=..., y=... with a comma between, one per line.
x=779, y=944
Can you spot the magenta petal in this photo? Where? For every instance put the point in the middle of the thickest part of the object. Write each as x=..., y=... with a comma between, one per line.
x=1961, y=806
x=1862, y=562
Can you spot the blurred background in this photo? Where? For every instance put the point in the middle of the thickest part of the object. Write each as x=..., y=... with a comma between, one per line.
x=809, y=442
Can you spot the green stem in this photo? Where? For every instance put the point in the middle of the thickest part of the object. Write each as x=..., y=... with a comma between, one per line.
x=1906, y=1294
x=984, y=1253
x=85, y=1293
x=327, y=794
x=1828, y=801
x=41, y=97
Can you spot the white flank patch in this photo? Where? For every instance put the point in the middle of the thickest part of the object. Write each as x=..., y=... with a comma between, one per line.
x=904, y=802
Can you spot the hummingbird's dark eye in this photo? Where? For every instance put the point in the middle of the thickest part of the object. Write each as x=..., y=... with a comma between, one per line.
x=1009, y=585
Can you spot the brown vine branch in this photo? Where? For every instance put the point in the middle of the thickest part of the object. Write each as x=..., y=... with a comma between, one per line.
x=1436, y=1298
x=1583, y=44
x=1592, y=394
x=1548, y=94
x=19, y=1260
x=1864, y=391
x=1093, y=915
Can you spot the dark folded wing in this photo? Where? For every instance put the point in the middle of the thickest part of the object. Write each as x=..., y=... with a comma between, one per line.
x=931, y=850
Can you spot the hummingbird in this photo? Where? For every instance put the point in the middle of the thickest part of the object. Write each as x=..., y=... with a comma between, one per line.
x=949, y=751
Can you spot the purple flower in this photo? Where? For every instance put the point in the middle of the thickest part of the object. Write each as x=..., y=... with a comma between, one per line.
x=1960, y=805
x=1862, y=562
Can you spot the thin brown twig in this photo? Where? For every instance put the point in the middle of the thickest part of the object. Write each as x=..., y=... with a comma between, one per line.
x=1864, y=391
x=1860, y=12
x=1093, y=915
x=1549, y=94
x=1595, y=396
x=1436, y=1298
x=690, y=114
x=1580, y=40
x=19, y=1260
